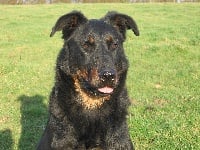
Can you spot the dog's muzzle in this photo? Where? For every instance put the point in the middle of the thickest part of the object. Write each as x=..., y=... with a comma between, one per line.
x=107, y=81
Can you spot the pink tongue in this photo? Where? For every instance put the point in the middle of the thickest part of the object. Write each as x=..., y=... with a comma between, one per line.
x=106, y=90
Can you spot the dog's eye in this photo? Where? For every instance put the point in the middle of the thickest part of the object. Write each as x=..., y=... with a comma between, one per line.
x=111, y=43
x=114, y=45
x=89, y=44
x=91, y=39
x=85, y=45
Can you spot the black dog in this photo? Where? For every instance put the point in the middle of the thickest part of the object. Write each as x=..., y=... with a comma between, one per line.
x=88, y=104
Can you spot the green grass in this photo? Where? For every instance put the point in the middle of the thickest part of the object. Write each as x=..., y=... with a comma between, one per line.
x=163, y=79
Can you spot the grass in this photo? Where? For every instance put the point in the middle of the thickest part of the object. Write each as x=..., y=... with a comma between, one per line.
x=163, y=79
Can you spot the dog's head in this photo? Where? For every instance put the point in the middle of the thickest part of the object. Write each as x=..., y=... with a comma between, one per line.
x=93, y=51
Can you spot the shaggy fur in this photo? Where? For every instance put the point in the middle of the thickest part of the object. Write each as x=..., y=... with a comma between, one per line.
x=88, y=103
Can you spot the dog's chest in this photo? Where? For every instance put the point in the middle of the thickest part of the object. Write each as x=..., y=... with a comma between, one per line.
x=93, y=135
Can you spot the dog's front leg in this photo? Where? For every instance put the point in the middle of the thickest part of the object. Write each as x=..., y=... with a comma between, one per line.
x=63, y=135
x=119, y=139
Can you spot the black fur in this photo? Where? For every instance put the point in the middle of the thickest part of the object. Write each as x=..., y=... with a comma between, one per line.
x=88, y=104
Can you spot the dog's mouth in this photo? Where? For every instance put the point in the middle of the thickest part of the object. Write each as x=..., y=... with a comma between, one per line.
x=99, y=90
x=98, y=84
x=106, y=90
x=94, y=88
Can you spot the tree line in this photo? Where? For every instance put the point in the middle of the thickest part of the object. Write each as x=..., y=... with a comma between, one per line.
x=88, y=1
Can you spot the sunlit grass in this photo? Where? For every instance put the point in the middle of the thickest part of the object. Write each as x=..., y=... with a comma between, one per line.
x=163, y=80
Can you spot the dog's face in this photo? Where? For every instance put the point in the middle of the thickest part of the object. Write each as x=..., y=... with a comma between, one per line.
x=94, y=52
x=99, y=57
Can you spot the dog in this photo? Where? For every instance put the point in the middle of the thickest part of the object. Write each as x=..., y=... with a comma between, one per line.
x=89, y=101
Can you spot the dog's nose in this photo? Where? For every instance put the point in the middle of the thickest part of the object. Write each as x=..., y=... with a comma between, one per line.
x=107, y=76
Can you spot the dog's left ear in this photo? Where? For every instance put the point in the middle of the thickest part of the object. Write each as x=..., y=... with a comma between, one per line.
x=68, y=23
x=121, y=22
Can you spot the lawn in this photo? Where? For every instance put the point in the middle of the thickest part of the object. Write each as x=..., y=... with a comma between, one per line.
x=163, y=79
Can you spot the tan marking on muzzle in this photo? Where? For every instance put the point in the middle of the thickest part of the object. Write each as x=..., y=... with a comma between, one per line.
x=89, y=102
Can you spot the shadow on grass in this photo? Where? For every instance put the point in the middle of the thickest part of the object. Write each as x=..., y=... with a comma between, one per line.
x=6, y=141
x=33, y=120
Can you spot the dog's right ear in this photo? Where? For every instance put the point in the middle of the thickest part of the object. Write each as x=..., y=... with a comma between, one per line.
x=121, y=22
x=68, y=23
